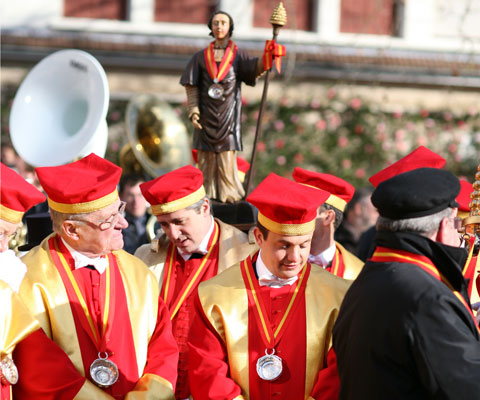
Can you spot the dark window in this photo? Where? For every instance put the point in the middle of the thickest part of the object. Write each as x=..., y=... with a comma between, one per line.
x=105, y=9
x=191, y=11
x=376, y=17
x=300, y=16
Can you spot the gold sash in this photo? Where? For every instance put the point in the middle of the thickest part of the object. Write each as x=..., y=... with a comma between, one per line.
x=44, y=294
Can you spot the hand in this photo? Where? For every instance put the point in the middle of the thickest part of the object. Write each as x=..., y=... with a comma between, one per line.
x=195, y=121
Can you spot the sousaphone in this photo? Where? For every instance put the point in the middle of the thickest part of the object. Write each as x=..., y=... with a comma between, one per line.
x=157, y=137
x=58, y=113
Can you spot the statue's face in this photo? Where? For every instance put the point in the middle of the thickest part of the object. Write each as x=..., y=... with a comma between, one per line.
x=220, y=26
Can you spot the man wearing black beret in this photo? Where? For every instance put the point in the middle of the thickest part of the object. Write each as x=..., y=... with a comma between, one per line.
x=405, y=329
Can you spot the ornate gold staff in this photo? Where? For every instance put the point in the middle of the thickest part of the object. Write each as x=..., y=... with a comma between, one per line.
x=472, y=222
x=278, y=19
x=472, y=229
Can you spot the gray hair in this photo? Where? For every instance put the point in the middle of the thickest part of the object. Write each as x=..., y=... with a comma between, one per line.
x=425, y=226
x=58, y=219
x=198, y=205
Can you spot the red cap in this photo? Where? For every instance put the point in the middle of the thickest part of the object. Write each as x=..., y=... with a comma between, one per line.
x=242, y=166
x=341, y=192
x=286, y=207
x=419, y=158
x=175, y=190
x=84, y=186
x=16, y=195
x=463, y=199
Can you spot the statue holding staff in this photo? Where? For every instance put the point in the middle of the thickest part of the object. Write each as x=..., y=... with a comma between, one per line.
x=212, y=80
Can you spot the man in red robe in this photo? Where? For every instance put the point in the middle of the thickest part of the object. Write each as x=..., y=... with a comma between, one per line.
x=55, y=376
x=193, y=248
x=97, y=302
x=263, y=327
x=325, y=251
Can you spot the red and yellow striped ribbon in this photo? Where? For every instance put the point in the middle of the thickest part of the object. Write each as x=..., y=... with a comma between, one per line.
x=269, y=337
x=98, y=337
x=218, y=73
x=273, y=53
x=192, y=281
x=383, y=254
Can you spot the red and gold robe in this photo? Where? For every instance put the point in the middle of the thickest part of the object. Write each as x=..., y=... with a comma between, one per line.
x=232, y=247
x=141, y=343
x=225, y=342
x=40, y=377
x=345, y=264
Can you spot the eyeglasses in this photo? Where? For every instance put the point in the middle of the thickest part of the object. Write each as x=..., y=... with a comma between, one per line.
x=110, y=221
x=8, y=237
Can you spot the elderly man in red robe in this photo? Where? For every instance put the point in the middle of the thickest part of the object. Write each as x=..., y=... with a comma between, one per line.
x=263, y=328
x=36, y=376
x=97, y=302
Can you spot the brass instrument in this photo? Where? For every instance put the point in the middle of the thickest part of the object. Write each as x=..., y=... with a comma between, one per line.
x=59, y=111
x=157, y=137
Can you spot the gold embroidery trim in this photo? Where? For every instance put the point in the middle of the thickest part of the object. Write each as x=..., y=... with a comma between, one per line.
x=179, y=204
x=286, y=229
x=83, y=208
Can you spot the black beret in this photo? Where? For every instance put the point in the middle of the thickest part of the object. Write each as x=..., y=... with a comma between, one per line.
x=417, y=193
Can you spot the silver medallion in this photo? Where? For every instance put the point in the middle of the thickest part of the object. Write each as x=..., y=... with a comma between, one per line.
x=103, y=371
x=8, y=371
x=269, y=367
x=216, y=91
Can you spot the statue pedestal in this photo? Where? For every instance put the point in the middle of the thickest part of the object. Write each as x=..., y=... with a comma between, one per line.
x=241, y=214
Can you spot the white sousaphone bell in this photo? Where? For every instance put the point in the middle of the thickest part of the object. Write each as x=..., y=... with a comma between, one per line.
x=58, y=114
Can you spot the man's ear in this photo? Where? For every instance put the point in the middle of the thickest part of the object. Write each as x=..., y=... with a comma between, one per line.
x=205, y=206
x=329, y=217
x=447, y=234
x=258, y=236
x=70, y=229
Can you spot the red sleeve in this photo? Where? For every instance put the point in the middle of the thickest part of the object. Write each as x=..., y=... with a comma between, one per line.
x=327, y=385
x=209, y=375
x=162, y=357
x=44, y=370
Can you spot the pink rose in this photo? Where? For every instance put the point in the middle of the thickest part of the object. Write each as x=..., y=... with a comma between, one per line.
x=279, y=143
x=342, y=141
x=261, y=147
x=321, y=125
x=355, y=103
x=298, y=158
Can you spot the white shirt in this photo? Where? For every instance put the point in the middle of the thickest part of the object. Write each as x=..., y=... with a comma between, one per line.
x=12, y=269
x=324, y=258
x=266, y=278
x=203, y=248
x=81, y=260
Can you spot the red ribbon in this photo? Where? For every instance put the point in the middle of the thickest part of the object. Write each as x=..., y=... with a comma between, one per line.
x=384, y=254
x=272, y=55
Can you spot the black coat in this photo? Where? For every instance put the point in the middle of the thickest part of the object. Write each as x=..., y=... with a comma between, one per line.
x=402, y=334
